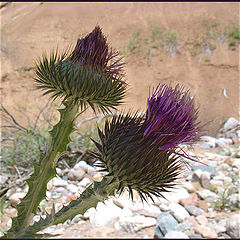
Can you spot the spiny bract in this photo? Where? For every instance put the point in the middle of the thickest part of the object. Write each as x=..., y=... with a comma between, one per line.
x=92, y=74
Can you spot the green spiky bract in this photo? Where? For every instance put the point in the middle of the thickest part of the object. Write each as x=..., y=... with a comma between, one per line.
x=133, y=160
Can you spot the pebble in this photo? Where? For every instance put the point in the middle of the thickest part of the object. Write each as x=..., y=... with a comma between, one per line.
x=189, y=201
x=178, y=211
x=184, y=226
x=176, y=194
x=105, y=215
x=231, y=123
x=205, y=231
x=234, y=200
x=164, y=207
x=207, y=195
x=85, y=182
x=82, y=165
x=232, y=227
x=3, y=179
x=76, y=175
x=134, y=223
x=15, y=198
x=176, y=235
x=188, y=185
x=166, y=222
x=202, y=220
x=73, y=188
x=193, y=210
x=205, y=168
x=58, y=182
x=205, y=180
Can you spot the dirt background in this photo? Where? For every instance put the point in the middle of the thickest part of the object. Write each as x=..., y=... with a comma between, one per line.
x=28, y=29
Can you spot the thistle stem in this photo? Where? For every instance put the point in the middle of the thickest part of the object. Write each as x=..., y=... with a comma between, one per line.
x=96, y=192
x=44, y=171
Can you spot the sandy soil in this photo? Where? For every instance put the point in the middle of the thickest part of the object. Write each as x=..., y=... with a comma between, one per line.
x=28, y=29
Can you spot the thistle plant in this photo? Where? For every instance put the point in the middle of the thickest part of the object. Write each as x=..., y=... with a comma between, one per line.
x=137, y=152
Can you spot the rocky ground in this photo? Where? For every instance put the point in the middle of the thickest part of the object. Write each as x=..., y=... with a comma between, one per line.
x=204, y=205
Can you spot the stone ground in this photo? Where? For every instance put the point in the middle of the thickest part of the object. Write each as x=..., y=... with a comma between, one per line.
x=205, y=204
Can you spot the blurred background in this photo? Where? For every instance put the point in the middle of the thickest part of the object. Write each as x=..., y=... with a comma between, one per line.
x=194, y=44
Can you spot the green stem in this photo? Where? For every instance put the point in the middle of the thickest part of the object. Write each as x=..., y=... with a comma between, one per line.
x=44, y=171
x=97, y=192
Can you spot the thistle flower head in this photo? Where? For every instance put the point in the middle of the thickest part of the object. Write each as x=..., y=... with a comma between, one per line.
x=132, y=159
x=171, y=117
x=142, y=153
x=92, y=74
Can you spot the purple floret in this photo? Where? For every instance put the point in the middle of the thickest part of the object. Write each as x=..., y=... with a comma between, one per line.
x=171, y=118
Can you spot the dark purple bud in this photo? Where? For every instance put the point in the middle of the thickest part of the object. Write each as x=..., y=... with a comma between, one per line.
x=94, y=51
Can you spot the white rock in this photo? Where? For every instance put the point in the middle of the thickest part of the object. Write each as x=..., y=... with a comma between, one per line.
x=176, y=235
x=3, y=179
x=89, y=212
x=105, y=215
x=190, y=188
x=73, y=188
x=178, y=211
x=236, y=163
x=59, y=182
x=15, y=198
x=207, y=195
x=176, y=194
x=231, y=123
x=85, y=182
x=164, y=207
x=210, y=140
x=126, y=212
x=81, y=165
x=135, y=223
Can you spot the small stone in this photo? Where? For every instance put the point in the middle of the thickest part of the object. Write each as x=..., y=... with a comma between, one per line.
x=176, y=194
x=59, y=182
x=166, y=222
x=89, y=212
x=12, y=212
x=3, y=179
x=206, y=168
x=223, y=167
x=136, y=223
x=85, y=182
x=205, y=180
x=203, y=205
x=59, y=172
x=157, y=233
x=193, y=210
x=82, y=165
x=184, y=226
x=234, y=200
x=15, y=198
x=178, y=211
x=190, y=188
x=105, y=215
x=202, y=220
x=73, y=188
x=76, y=175
x=205, y=231
x=229, y=161
x=233, y=226
x=189, y=201
x=164, y=207
x=231, y=123
x=207, y=195
x=176, y=235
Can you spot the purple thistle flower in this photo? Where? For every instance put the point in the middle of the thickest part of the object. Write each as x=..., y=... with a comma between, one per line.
x=94, y=51
x=171, y=118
